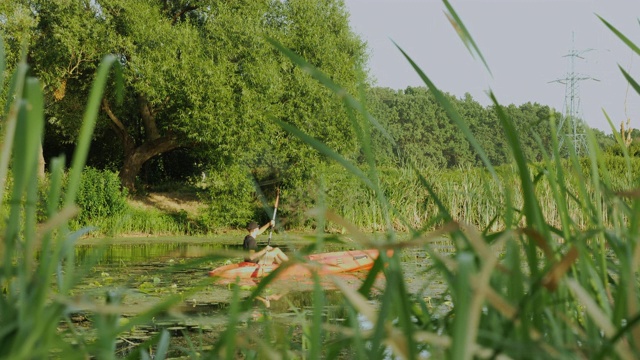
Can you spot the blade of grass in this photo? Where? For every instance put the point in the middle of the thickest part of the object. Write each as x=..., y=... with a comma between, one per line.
x=621, y=36
x=88, y=124
x=464, y=34
x=631, y=80
x=531, y=209
x=591, y=307
x=349, y=100
x=316, y=336
x=461, y=348
x=605, y=351
x=324, y=149
x=3, y=62
x=620, y=142
x=12, y=107
x=35, y=99
x=453, y=115
x=362, y=130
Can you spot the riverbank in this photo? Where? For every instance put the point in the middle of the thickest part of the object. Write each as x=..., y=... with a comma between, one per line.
x=173, y=201
x=230, y=237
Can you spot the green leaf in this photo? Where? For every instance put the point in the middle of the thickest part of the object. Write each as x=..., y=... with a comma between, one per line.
x=88, y=125
x=621, y=36
x=464, y=34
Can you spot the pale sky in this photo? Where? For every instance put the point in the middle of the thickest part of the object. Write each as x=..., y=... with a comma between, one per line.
x=525, y=43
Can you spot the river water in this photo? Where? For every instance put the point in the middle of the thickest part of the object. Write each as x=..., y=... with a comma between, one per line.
x=144, y=271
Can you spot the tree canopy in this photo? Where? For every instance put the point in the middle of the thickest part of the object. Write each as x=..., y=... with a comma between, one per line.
x=197, y=74
x=202, y=84
x=425, y=135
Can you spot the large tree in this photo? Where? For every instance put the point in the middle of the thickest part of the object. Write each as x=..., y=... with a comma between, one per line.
x=196, y=72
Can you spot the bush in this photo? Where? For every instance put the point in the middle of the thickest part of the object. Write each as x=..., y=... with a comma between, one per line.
x=100, y=196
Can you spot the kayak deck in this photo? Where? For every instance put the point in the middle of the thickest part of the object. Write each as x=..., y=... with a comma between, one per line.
x=325, y=263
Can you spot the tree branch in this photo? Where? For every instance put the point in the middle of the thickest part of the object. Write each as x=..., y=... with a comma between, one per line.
x=157, y=146
x=148, y=119
x=128, y=142
x=179, y=14
x=112, y=116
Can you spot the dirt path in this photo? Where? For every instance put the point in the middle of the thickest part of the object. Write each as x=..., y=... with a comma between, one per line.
x=169, y=201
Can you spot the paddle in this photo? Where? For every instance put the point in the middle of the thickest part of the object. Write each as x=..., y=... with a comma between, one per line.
x=275, y=210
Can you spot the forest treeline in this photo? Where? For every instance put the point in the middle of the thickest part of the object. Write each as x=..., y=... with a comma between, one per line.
x=425, y=136
x=203, y=87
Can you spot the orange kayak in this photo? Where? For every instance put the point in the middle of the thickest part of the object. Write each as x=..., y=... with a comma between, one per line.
x=326, y=263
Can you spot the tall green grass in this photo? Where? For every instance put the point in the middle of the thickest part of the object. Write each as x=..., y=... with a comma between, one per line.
x=38, y=270
x=469, y=194
x=523, y=282
x=154, y=222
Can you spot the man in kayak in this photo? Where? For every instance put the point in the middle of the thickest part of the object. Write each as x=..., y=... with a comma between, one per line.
x=266, y=256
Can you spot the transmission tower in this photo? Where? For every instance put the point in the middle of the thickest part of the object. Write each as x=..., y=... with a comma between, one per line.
x=572, y=111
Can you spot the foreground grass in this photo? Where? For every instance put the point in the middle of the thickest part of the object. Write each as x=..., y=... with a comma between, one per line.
x=536, y=286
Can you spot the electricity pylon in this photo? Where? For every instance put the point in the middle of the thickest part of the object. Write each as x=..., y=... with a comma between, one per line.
x=572, y=111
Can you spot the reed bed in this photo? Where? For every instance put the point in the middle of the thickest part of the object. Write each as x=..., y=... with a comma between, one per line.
x=470, y=194
x=38, y=271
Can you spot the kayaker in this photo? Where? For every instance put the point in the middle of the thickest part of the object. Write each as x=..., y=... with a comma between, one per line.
x=268, y=255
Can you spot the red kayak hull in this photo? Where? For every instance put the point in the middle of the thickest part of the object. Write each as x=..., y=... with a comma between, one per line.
x=326, y=263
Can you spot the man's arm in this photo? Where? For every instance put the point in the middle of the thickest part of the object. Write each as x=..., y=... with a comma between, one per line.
x=266, y=226
x=256, y=255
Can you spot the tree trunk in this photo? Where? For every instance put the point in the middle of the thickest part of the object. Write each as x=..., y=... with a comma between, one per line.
x=128, y=143
x=133, y=163
x=136, y=156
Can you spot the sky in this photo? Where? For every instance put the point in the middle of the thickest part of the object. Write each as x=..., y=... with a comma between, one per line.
x=525, y=44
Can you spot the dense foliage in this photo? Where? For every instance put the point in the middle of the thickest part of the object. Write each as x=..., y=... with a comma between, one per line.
x=424, y=134
x=201, y=85
x=99, y=197
x=197, y=74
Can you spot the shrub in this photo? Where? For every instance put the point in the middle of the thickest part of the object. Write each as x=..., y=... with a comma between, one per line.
x=100, y=196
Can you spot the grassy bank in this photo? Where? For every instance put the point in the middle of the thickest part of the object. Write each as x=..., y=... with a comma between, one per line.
x=471, y=194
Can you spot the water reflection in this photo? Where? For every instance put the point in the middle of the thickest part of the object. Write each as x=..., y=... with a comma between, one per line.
x=143, y=252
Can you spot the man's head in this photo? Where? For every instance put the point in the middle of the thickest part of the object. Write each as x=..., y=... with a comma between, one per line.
x=252, y=226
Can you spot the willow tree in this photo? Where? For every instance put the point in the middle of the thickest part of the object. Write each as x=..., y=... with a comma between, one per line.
x=196, y=72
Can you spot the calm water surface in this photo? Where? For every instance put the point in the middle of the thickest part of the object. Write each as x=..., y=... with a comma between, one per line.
x=146, y=270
